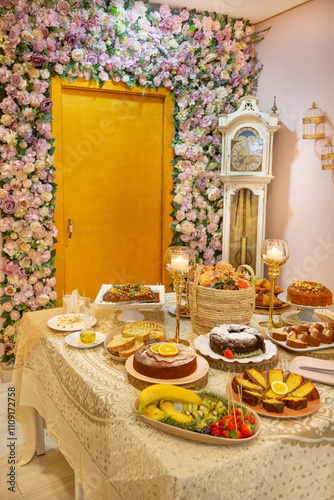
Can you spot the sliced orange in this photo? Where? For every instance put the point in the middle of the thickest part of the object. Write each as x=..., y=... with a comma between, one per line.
x=155, y=348
x=279, y=387
x=168, y=350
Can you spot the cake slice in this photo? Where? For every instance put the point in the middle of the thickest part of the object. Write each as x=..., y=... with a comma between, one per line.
x=293, y=381
x=296, y=343
x=245, y=384
x=273, y=405
x=120, y=343
x=126, y=353
x=310, y=340
x=322, y=337
x=255, y=377
x=306, y=390
x=270, y=394
x=274, y=375
x=251, y=398
x=295, y=403
x=278, y=335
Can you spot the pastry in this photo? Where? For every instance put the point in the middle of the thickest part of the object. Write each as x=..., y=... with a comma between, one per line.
x=240, y=339
x=262, y=297
x=309, y=293
x=130, y=293
x=153, y=364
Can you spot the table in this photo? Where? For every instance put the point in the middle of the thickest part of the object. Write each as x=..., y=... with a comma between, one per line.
x=87, y=404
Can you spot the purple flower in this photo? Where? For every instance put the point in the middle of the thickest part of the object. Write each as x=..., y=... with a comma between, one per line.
x=46, y=105
x=198, y=36
x=38, y=59
x=9, y=204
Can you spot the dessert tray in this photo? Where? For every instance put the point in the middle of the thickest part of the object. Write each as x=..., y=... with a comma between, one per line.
x=131, y=310
x=195, y=436
x=115, y=332
x=309, y=348
x=202, y=345
x=318, y=370
x=312, y=406
x=200, y=372
x=71, y=322
x=73, y=340
x=307, y=314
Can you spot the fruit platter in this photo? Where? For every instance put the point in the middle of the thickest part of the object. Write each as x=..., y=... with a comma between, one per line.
x=203, y=416
x=275, y=394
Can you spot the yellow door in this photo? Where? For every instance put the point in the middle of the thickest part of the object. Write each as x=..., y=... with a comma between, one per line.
x=113, y=171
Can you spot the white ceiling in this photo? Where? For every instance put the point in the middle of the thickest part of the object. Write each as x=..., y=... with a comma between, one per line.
x=254, y=10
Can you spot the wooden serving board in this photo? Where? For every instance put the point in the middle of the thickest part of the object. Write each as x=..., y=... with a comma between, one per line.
x=220, y=364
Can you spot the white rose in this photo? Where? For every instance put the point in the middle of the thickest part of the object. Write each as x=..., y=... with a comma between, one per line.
x=27, y=35
x=42, y=299
x=173, y=44
x=142, y=35
x=18, y=68
x=40, y=165
x=137, y=45
x=6, y=120
x=28, y=168
x=187, y=227
x=44, y=211
x=213, y=193
x=78, y=54
x=45, y=74
x=178, y=199
x=46, y=196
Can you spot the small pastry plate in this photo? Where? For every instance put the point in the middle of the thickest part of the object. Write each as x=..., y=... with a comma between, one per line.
x=73, y=340
x=309, y=348
x=69, y=322
x=202, y=345
x=312, y=406
x=172, y=310
x=115, y=332
x=195, y=436
x=200, y=372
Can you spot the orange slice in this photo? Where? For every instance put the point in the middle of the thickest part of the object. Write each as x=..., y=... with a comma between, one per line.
x=279, y=387
x=155, y=348
x=168, y=350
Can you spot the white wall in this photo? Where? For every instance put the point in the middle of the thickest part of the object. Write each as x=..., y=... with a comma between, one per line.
x=298, y=67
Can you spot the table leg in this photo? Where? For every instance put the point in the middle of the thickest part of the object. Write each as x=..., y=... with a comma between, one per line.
x=40, y=445
x=79, y=493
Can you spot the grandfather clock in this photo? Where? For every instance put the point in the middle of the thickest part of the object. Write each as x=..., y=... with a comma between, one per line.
x=246, y=170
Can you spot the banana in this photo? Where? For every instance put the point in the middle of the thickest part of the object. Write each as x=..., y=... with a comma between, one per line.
x=168, y=392
x=153, y=412
x=168, y=408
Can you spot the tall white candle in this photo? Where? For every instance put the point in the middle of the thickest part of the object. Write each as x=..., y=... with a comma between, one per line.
x=275, y=254
x=179, y=263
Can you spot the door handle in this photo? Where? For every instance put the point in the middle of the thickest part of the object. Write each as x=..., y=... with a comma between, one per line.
x=70, y=228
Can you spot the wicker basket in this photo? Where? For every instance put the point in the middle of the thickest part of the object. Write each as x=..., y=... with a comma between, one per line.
x=210, y=307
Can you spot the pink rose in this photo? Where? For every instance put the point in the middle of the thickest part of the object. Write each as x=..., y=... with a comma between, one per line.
x=7, y=306
x=15, y=315
x=9, y=204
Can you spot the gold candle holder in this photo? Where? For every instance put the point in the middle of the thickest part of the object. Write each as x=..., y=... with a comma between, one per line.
x=274, y=253
x=180, y=263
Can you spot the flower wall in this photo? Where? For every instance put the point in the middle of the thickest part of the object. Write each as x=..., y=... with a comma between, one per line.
x=206, y=62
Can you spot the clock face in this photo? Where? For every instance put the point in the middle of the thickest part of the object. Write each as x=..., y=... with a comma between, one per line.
x=246, y=151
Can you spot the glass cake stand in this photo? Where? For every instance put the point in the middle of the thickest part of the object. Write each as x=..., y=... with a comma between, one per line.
x=306, y=314
x=130, y=312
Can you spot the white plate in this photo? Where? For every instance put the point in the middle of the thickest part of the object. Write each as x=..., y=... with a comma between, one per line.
x=73, y=339
x=195, y=436
x=137, y=305
x=53, y=323
x=282, y=343
x=118, y=331
x=172, y=310
x=202, y=344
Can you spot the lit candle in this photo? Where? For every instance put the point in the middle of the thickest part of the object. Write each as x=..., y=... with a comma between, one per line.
x=274, y=254
x=179, y=263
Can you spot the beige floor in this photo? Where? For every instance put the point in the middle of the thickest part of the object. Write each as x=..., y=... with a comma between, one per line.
x=46, y=477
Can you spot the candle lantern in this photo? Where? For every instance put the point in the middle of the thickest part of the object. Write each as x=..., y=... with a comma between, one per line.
x=274, y=253
x=180, y=263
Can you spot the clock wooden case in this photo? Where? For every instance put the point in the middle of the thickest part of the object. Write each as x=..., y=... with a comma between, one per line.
x=246, y=169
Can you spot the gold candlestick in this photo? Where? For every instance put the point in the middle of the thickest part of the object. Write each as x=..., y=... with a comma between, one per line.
x=180, y=263
x=275, y=253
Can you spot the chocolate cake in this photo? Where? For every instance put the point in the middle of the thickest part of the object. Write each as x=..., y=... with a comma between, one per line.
x=241, y=339
x=154, y=365
x=130, y=293
x=309, y=293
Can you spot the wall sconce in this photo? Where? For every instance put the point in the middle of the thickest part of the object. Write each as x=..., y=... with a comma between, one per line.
x=314, y=123
x=327, y=157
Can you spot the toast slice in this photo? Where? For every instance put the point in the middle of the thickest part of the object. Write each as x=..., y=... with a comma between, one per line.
x=126, y=353
x=293, y=381
x=255, y=377
x=306, y=390
x=120, y=343
x=295, y=403
x=273, y=405
x=274, y=375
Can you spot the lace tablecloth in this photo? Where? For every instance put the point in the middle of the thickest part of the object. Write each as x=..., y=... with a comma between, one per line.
x=87, y=403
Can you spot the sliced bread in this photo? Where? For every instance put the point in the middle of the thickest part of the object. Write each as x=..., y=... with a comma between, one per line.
x=126, y=353
x=120, y=343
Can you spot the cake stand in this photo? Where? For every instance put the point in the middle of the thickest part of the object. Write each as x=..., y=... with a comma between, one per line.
x=130, y=312
x=306, y=314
